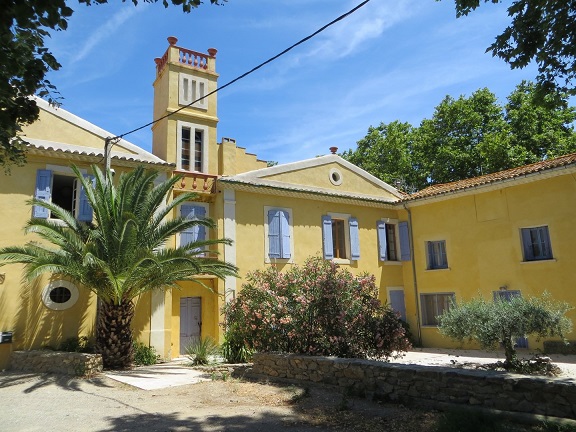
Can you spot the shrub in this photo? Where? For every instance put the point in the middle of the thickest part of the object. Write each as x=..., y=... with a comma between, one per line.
x=234, y=350
x=76, y=344
x=144, y=355
x=503, y=321
x=315, y=309
x=200, y=350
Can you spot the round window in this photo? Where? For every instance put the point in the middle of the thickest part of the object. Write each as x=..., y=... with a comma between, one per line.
x=335, y=177
x=60, y=295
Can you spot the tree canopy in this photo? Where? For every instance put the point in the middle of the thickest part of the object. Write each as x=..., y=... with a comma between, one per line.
x=468, y=137
x=25, y=60
x=541, y=31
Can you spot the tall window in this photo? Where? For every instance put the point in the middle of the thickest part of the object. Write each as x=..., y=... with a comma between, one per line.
x=391, y=248
x=185, y=161
x=191, y=89
x=536, y=243
x=278, y=232
x=192, y=147
x=434, y=305
x=64, y=190
x=437, y=255
x=198, y=144
x=393, y=240
x=338, y=239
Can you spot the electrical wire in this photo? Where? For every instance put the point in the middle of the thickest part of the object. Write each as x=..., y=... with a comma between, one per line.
x=245, y=74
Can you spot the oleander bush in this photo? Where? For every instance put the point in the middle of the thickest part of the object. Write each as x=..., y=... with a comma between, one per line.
x=317, y=309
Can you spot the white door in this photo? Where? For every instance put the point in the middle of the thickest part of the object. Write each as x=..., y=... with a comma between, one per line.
x=190, y=321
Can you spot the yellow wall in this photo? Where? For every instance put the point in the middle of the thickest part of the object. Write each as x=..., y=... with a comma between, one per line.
x=484, y=248
x=319, y=176
x=307, y=214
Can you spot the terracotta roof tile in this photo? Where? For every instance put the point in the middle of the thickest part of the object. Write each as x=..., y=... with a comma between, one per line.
x=512, y=173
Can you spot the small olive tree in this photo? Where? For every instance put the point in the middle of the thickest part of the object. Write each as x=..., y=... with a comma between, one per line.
x=502, y=321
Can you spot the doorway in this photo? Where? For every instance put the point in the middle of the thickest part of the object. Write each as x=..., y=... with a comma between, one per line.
x=190, y=321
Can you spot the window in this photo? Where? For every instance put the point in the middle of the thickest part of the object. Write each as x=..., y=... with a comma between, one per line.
x=60, y=295
x=340, y=235
x=192, y=149
x=278, y=234
x=60, y=187
x=196, y=233
x=393, y=241
x=437, y=255
x=536, y=243
x=192, y=88
x=434, y=305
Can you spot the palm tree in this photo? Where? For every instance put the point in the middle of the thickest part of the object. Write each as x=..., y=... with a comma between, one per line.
x=120, y=256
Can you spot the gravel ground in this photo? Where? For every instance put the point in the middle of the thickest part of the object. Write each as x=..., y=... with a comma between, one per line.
x=33, y=402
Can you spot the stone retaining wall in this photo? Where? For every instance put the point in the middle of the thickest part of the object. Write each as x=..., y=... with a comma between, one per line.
x=428, y=385
x=66, y=363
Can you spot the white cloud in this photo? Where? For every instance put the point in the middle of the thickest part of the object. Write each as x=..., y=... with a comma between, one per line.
x=105, y=31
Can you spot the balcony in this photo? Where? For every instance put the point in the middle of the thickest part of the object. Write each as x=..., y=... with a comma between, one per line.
x=193, y=181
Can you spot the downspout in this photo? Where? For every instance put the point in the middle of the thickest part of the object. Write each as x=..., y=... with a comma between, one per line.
x=416, y=302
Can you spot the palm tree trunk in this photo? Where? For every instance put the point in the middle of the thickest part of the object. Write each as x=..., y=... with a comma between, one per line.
x=114, y=335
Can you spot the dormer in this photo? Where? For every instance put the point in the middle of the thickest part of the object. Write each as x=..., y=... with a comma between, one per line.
x=187, y=137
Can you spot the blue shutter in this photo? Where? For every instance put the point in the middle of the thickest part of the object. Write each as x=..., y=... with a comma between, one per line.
x=84, y=207
x=43, y=192
x=527, y=244
x=547, y=252
x=328, y=247
x=187, y=236
x=285, y=234
x=405, y=252
x=200, y=213
x=432, y=262
x=354, y=238
x=381, y=232
x=274, y=234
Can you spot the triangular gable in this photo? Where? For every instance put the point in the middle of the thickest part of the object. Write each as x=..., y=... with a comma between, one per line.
x=325, y=174
x=59, y=130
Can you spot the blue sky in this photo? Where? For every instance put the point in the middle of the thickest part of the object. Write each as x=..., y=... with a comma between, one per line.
x=391, y=60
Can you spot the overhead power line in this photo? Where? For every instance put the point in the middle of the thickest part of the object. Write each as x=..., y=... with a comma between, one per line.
x=112, y=140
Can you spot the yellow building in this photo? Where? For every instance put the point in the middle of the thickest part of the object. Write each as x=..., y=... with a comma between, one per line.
x=503, y=234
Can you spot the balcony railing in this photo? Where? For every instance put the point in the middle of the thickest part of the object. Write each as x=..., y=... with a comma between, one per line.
x=193, y=181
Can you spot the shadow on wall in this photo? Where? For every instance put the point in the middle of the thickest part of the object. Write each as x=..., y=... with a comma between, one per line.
x=36, y=326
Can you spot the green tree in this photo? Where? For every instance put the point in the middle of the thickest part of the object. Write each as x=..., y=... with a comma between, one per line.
x=461, y=138
x=25, y=60
x=468, y=137
x=122, y=255
x=540, y=31
x=387, y=153
x=541, y=128
x=503, y=321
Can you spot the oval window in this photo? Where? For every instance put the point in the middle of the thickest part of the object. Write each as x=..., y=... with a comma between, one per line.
x=60, y=295
x=335, y=177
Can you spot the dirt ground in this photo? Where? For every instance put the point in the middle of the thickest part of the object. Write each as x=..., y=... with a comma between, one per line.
x=31, y=402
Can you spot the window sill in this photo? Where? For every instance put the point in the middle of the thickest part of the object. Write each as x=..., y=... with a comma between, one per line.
x=539, y=261
x=341, y=261
x=279, y=261
x=438, y=269
x=392, y=263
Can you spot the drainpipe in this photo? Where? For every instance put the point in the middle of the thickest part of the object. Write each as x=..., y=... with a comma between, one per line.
x=416, y=301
